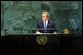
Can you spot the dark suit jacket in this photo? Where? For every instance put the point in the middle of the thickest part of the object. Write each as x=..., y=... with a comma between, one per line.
x=50, y=27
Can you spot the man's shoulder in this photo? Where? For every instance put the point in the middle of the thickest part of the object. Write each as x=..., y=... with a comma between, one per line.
x=50, y=21
x=39, y=22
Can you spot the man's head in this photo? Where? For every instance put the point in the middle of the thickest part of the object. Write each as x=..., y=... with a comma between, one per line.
x=45, y=16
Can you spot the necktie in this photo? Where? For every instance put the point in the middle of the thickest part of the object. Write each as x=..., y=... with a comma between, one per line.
x=45, y=27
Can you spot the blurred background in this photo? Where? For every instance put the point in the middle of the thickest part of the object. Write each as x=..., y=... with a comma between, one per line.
x=18, y=17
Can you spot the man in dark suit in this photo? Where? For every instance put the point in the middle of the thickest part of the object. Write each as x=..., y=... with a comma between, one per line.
x=46, y=25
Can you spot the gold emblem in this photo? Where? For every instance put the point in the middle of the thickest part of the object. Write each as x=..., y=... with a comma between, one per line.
x=66, y=31
x=41, y=40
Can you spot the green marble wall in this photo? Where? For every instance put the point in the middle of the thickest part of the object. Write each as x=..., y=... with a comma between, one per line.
x=17, y=17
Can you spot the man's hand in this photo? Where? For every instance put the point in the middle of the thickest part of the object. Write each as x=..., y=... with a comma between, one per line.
x=54, y=33
x=37, y=32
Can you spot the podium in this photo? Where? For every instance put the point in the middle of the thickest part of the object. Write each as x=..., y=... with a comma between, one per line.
x=27, y=44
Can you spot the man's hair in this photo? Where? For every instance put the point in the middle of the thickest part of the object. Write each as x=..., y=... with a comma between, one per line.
x=45, y=13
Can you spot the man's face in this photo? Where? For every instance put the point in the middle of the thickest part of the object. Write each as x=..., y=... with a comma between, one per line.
x=44, y=17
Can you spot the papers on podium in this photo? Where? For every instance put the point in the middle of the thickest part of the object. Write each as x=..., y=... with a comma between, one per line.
x=37, y=32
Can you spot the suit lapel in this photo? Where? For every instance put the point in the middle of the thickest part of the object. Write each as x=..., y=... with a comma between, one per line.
x=42, y=24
